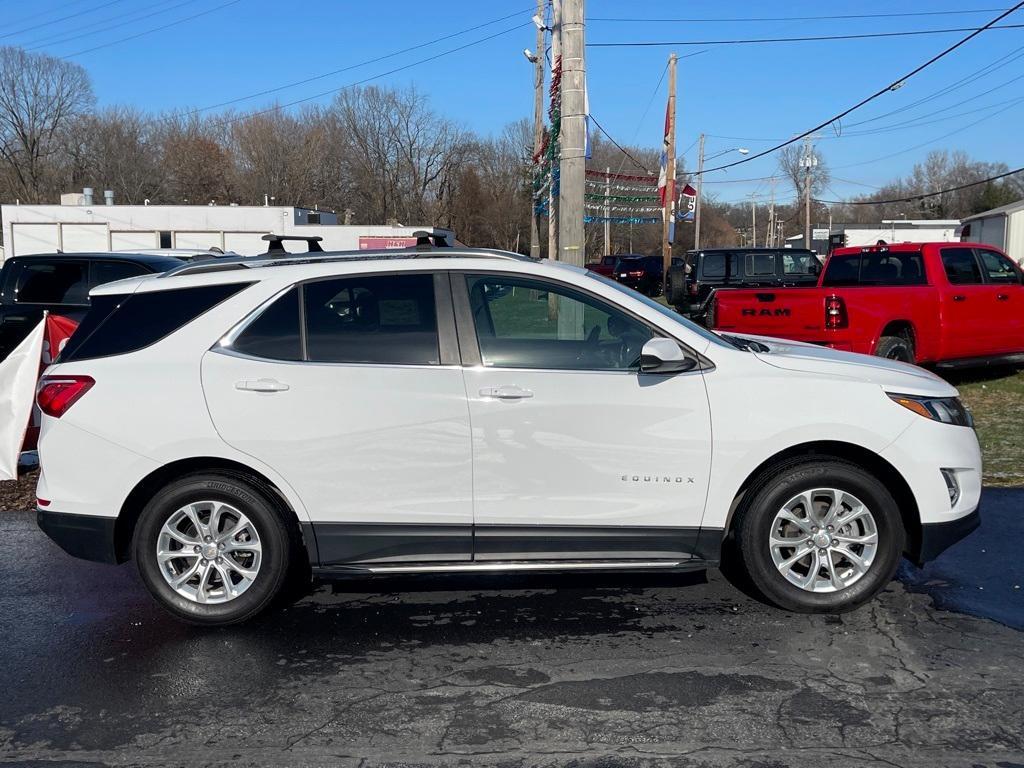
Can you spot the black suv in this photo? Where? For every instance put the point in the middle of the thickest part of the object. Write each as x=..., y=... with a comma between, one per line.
x=641, y=273
x=692, y=283
x=60, y=283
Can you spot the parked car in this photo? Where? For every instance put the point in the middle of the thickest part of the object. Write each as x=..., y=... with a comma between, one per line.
x=951, y=304
x=60, y=283
x=605, y=266
x=427, y=412
x=641, y=273
x=705, y=271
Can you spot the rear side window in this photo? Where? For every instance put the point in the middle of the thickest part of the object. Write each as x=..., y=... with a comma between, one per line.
x=961, y=266
x=62, y=282
x=714, y=265
x=116, y=325
x=385, y=319
x=760, y=264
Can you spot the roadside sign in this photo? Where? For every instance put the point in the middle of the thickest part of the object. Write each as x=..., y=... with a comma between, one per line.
x=819, y=234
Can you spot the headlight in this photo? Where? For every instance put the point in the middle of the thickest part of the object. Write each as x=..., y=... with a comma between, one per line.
x=948, y=410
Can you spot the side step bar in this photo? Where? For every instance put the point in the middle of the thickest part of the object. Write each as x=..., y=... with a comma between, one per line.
x=499, y=566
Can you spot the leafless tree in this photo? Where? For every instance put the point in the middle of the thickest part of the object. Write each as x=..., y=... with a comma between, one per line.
x=40, y=97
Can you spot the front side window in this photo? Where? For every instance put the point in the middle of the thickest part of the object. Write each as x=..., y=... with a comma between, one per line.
x=998, y=268
x=62, y=282
x=961, y=266
x=524, y=323
x=800, y=264
x=387, y=319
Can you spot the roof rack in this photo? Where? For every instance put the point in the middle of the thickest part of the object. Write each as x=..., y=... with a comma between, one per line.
x=327, y=257
x=277, y=242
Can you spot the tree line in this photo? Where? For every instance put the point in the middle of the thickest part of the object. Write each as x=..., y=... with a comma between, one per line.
x=376, y=155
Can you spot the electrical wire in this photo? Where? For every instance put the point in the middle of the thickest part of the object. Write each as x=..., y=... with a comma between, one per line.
x=622, y=149
x=151, y=31
x=46, y=42
x=62, y=18
x=799, y=18
x=383, y=57
x=807, y=39
x=922, y=196
x=866, y=100
x=434, y=57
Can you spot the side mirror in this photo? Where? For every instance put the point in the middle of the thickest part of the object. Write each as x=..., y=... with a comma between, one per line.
x=664, y=356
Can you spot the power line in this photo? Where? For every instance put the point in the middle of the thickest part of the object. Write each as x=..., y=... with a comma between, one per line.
x=62, y=18
x=798, y=18
x=899, y=82
x=151, y=31
x=45, y=42
x=915, y=198
x=367, y=62
x=807, y=39
x=620, y=147
x=278, y=107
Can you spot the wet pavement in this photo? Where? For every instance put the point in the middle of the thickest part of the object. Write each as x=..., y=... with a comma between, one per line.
x=595, y=671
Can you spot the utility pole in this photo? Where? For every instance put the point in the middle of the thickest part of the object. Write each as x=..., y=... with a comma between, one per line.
x=769, y=239
x=553, y=201
x=807, y=161
x=607, y=212
x=753, y=220
x=700, y=183
x=670, y=169
x=538, y=125
x=572, y=184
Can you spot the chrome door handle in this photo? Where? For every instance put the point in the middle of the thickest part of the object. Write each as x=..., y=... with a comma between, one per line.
x=506, y=393
x=261, y=385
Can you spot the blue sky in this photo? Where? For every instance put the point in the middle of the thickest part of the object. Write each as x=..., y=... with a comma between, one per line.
x=757, y=93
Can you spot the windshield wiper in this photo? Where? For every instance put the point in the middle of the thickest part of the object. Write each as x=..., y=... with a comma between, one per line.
x=748, y=345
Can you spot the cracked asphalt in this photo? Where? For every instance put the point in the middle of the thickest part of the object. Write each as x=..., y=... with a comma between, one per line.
x=594, y=671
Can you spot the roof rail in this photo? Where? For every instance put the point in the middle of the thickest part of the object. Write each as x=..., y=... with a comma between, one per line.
x=326, y=257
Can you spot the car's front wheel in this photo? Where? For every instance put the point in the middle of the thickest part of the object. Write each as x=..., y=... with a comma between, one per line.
x=212, y=549
x=822, y=536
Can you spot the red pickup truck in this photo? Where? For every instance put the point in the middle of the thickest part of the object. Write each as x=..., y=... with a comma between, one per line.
x=950, y=304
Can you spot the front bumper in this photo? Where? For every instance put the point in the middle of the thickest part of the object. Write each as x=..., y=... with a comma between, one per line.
x=936, y=538
x=86, y=536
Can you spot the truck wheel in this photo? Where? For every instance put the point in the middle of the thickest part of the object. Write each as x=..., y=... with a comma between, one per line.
x=212, y=549
x=819, y=536
x=896, y=348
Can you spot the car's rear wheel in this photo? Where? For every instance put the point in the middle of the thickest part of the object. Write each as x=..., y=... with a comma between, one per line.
x=822, y=536
x=212, y=549
x=896, y=348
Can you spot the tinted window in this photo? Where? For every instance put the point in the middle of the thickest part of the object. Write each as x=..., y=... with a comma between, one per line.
x=714, y=265
x=998, y=268
x=388, y=319
x=109, y=271
x=760, y=264
x=875, y=268
x=522, y=323
x=961, y=266
x=62, y=282
x=121, y=324
x=274, y=334
x=800, y=264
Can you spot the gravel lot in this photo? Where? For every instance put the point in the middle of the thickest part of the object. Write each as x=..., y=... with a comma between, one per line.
x=601, y=671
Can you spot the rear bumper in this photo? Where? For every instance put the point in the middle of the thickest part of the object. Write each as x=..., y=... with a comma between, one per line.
x=86, y=536
x=936, y=538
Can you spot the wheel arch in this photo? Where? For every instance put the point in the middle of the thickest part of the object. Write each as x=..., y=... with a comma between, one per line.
x=854, y=454
x=135, y=502
x=903, y=328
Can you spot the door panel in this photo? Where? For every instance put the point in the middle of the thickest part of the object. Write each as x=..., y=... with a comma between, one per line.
x=966, y=306
x=358, y=412
x=1006, y=308
x=590, y=460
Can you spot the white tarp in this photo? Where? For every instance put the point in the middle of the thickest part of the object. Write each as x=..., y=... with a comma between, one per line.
x=18, y=376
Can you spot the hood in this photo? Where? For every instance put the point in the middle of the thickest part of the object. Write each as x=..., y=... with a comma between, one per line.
x=891, y=375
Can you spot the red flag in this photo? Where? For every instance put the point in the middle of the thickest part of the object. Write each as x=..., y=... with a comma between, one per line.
x=55, y=335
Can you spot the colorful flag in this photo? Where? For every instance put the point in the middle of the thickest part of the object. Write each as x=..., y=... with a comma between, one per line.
x=666, y=186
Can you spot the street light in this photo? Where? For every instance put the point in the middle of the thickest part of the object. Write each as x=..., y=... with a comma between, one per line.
x=530, y=55
x=700, y=179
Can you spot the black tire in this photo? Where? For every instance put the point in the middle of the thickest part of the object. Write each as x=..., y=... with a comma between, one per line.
x=256, y=503
x=774, y=489
x=896, y=348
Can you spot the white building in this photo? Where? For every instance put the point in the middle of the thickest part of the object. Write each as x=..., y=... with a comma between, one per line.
x=890, y=230
x=1002, y=227
x=77, y=227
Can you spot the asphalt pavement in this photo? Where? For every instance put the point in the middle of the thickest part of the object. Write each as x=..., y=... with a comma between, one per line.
x=596, y=671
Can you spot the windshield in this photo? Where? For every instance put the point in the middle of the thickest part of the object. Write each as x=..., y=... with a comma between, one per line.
x=671, y=314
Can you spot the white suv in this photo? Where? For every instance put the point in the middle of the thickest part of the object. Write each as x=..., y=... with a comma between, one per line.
x=231, y=423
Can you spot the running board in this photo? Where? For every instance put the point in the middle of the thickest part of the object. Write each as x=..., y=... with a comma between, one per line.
x=498, y=566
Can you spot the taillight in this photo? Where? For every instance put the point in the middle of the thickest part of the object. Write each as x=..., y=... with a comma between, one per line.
x=58, y=393
x=636, y=273
x=694, y=288
x=709, y=321
x=835, y=312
